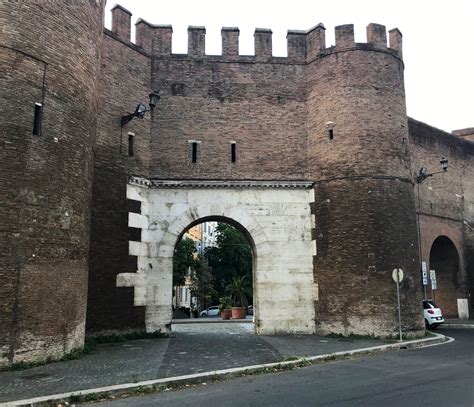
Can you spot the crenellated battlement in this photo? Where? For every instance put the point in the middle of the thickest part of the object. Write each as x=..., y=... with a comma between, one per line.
x=302, y=46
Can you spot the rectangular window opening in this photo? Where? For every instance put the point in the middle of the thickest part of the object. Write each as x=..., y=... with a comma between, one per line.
x=37, y=119
x=233, y=152
x=331, y=134
x=130, y=144
x=194, y=152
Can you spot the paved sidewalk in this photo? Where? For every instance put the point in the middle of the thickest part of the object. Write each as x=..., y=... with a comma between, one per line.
x=192, y=348
x=458, y=323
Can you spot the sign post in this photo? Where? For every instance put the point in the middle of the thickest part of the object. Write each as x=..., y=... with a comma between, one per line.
x=424, y=276
x=434, y=285
x=397, y=276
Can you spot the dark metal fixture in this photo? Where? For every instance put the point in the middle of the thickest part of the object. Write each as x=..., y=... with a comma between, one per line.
x=423, y=174
x=141, y=109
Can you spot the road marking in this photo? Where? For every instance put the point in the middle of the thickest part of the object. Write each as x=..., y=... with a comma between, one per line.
x=436, y=344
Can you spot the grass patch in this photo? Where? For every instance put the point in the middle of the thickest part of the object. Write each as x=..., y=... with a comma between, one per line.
x=159, y=388
x=290, y=358
x=353, y=337
x=130, y=336
x=84, y=398
x=21, y=366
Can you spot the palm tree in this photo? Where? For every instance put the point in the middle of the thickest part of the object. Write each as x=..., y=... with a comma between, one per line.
x=238, y=290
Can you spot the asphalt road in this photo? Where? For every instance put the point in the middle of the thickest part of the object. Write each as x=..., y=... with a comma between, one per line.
x=434, y=376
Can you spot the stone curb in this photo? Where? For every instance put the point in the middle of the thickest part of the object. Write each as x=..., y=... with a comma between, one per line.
x=211, y=321
x=458, y=325
x=121, y=389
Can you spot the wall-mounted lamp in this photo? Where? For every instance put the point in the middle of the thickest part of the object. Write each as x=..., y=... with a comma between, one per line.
x=141, y=109
x=423, y=174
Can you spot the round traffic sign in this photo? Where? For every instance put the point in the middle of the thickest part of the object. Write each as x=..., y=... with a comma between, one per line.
x=397, y=275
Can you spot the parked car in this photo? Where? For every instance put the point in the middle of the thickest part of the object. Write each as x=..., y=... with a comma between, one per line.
x=433, y=315
x=210, y=312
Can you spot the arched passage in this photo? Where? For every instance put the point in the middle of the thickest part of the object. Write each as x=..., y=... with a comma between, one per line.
x=277, y=220
x=209, y=254
x=444, y=259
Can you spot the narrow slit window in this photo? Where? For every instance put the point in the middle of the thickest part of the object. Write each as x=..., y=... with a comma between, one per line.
x=233, y=152
x=331, y=134
x=130, y=144
x=37, y=119
x=194, y=152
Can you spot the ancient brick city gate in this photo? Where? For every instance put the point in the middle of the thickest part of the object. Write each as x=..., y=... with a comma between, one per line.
x=314, y=154
x=275, y=217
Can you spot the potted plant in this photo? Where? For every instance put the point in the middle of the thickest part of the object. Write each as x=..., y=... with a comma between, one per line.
x=225, y=307
x=238, y=289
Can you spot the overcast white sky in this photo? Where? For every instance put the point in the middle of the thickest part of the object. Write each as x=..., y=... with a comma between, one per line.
x=438, y=39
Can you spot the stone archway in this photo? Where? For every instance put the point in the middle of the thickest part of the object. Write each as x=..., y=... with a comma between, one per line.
x=247, y=237
x=275, y=215
x=444, y=259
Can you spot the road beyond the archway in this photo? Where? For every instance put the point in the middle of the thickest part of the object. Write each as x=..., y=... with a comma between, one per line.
x=433, y=376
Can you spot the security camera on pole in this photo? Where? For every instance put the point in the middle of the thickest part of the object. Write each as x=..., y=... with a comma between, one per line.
x=397, y=276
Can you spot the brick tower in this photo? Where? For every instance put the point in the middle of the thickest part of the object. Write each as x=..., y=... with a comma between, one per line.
x=364, y=202
x=48, y=101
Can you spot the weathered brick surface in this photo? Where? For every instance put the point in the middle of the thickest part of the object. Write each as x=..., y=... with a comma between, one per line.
x=364, y=229
x=362, y=94
x=45, y=180
x=121, y=21
x=466, y=134
x=446, y=206
x=364, y=206
x=253, y=104
x=278, y=111
x=125, y=77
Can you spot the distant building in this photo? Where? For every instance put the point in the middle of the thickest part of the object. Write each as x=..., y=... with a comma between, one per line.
x=209, y=234
x=203, y=235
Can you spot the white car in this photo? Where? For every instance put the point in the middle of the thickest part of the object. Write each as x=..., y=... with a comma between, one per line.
x=210, y=312
x=433, y=315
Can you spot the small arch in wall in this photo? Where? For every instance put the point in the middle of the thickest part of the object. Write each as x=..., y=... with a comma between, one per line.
x=444, y=259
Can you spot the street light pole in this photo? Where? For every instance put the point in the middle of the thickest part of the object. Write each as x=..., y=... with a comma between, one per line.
x=420, y=246
x=422, y=175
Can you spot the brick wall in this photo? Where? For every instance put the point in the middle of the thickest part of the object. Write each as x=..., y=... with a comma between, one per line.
x=364, y=206
x=277, y=111
x=446, y=200
x=465, y=134
x=125, y=81
x=361, y=236
x=46, y=178
x=259, y=106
